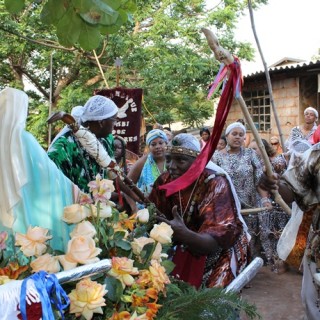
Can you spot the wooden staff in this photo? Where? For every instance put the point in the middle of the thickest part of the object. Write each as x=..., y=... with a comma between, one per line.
x=224, y=56
x=274, y=109
x=246, y=212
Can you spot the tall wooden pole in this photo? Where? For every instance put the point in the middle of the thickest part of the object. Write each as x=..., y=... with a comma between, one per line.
x=225, y=57
x=274, y=109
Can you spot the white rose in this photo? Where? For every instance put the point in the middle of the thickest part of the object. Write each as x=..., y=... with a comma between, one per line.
x=105, y=211
x=84, y=228
x=143, y=215
x=157, y=254
x=162, y=233
x=138, y=243
x=74, y=213
x=47, y=263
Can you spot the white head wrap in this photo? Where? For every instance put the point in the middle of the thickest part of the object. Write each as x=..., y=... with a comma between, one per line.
x=235, y=125
x=13, y=173
x=312, y=110
x=186, y=140
x=77, y=112
x=98, y=108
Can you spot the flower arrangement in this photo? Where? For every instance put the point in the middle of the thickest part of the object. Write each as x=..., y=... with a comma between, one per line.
x=138, y=283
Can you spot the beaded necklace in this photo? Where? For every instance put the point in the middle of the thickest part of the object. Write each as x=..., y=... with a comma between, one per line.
x=191, y=209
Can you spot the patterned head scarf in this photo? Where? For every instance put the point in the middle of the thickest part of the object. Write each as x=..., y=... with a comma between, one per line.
x=98, y=108
x=154, y=134
x=235, y=125
x=185, y=143
x=310, y=109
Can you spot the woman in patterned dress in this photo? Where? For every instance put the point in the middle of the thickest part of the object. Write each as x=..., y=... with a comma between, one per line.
x=209, y=232
x=307, y=129
x=245, y=169
x=272, y=222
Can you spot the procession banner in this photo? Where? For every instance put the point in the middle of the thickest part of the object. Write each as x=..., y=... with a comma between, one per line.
x=129, y=114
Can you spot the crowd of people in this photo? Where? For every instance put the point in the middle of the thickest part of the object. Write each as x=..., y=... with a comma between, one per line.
x=217, y=227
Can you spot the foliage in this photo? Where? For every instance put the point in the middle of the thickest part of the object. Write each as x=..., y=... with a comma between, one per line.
x=80, y=22
x=162, y=49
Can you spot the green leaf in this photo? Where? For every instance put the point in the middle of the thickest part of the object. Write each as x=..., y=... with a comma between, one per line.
x=114, y=4
x=68, y=29
x=110, y=231
x=122, y=19
x=168, y=265
x=125, y=245
x=103, y=234
x=82, y=6
x=148, y=250
x=114, y=288
x=129, y=6
x=52, y=11
x=100, y=13
x=119, y=235
x=14, y=6
x=89, y=37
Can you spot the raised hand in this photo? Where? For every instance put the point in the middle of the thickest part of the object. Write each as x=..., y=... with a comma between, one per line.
x=177, y=224
x=269, y=183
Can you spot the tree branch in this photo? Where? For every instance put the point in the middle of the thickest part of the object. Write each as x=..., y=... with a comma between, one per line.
x=54, y=46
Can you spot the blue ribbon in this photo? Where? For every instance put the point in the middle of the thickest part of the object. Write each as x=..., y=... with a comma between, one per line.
x=50, y=293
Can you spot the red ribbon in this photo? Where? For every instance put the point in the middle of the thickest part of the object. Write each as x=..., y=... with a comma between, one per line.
x=231, y=88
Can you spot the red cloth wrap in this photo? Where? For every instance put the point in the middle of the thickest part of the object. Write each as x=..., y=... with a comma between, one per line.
x=188, y=267
x=233, y=84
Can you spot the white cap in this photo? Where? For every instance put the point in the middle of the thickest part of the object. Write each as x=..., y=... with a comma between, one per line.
x=98, y=108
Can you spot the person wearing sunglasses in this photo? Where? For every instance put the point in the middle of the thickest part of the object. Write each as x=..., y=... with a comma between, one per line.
x=98, y=116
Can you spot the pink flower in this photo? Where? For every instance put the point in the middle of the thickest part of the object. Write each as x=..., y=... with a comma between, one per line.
x=101, y=189
x=3, y=239
x=84, y=199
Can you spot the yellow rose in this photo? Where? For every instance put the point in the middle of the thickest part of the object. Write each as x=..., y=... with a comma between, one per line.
x=84, y=228
x=143, y=215
x=75, y=213
x=87, y=298
x=47, y=263
x=5, y=279
x=122, y=269
x=158, y=276
x=138, y=243
x=81, y=249
x=162, y=233
x=33, y=243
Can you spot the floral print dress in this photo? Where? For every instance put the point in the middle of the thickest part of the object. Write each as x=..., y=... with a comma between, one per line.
x=245, y=170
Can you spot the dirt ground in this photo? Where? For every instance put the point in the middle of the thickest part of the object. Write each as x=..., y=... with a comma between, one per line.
x=277, y=296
